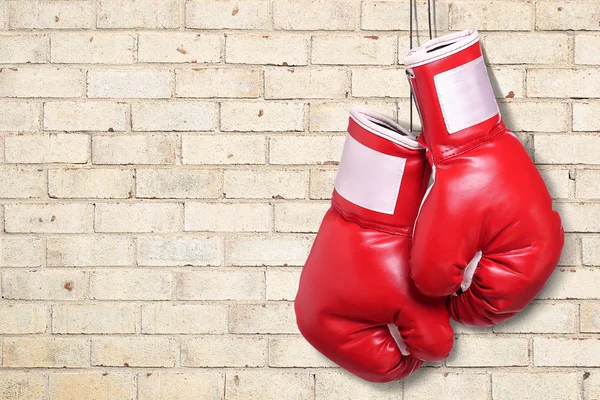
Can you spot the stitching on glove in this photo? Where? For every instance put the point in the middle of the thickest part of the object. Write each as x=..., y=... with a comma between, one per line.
x=394, y=230
x=473, y=144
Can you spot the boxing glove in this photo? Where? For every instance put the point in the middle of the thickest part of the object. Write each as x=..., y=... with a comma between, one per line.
x=486, y=233
x=356, y=303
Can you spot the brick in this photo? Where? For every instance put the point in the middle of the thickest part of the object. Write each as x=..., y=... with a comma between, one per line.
x=184, y=319
x=566, y=149
x=550, y=386
x=134, y=351
x=591, y=251
x=571, y=351
x=146, y=84
x=19, y=116
x=217, y=82
x=587, y=185
x=90, y=251
x=92, y=48
x=299, y=217
x=561, y=83
x=491, y=15
x=16, y=182
x=138, y=14
x=372, y=82
x=49, y=218
x=179, y=47
x=42, y=82
x=228, y=14
x=236, y=284
x=321, y=183
x=227, y=217
x=273, y=49
x=262, y=318
x=282, y=283
x=134, y=149
x=98, y=318
x=335, y=385
x=267, y=385
x=295, y=351
x=21, y=49
x=557, y=182
x=44, y=285
x=173, y=116
x=507, y=82
x=190, y=386
x=314, y=149
x=428, y=383
x=470, y=330
x=131, y=285
x=541, y=48
x=572, y=283
x=542, y=318
x=45, y=352
x=268, y=251
x=22, y=385
x=585, y=117
x=262, y=116
x=223, y=149
x=354, y=50
x=47, y=148
x=89, y=116
x=489, y=351
x=178, y=184
x=579, y=217
x=314, y=83
x=21, y=251
x=22, y=318
x=138, y=217
x=87, y=386
x=314, y=15
x=534, y=116
x=591, y=385
x=40, y=14
x=179, y=251
x=566, y=15
x=90, y=183
x=571, y=254
x=392, y=16
x=586, y=51
x=333, y=117
x=224, y=351
x=590, y=317
x=265, y=184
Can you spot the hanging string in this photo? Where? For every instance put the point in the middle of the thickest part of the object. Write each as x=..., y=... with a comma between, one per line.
x=429, y=18
x=410, y=37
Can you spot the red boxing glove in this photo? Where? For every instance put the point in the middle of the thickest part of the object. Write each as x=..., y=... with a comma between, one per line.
x=486, y=230
x=356, y=303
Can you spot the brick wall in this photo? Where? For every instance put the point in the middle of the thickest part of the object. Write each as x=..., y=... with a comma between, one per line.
x=166, y=164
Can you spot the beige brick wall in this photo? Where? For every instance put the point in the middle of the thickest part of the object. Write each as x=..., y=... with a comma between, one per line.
x=167, y=164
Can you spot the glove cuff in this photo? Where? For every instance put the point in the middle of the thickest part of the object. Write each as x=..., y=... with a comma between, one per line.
x=382, y=175
x=453, y=93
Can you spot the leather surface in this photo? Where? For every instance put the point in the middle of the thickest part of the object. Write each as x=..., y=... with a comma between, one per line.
x=357, y=280
x=488, y=196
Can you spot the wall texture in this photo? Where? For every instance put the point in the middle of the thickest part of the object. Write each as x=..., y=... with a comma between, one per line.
x=166, y=164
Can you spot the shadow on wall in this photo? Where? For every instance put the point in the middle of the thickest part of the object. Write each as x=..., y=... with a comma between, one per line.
x=506, y=115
